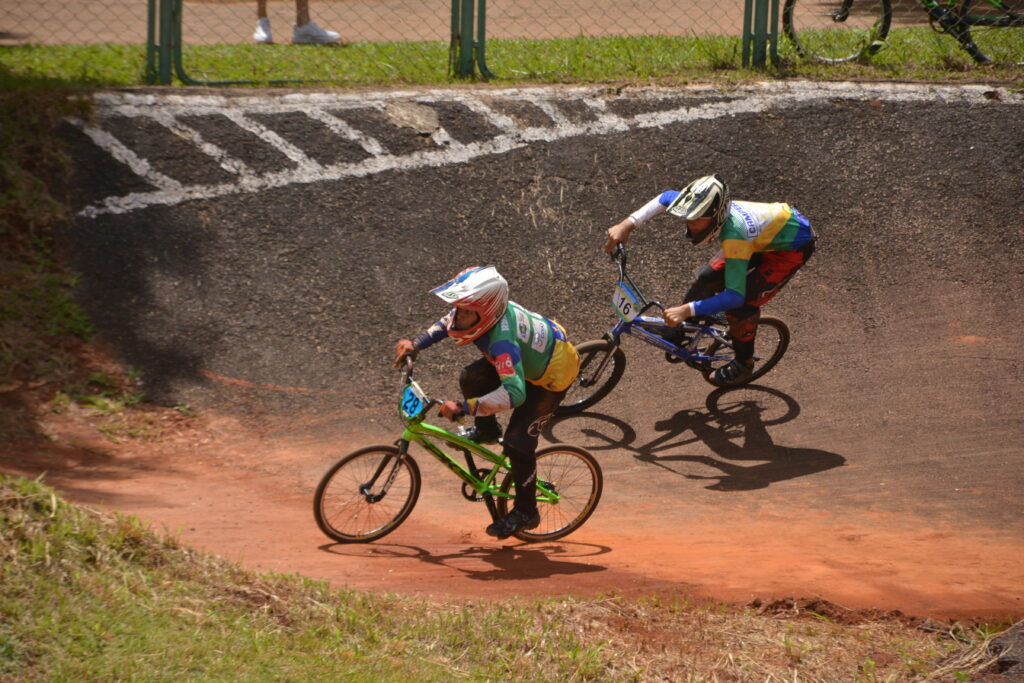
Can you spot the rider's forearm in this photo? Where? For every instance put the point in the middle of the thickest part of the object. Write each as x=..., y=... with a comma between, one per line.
x=647, y=211
x=431, y=335
x=489, y=404
x=722, y=301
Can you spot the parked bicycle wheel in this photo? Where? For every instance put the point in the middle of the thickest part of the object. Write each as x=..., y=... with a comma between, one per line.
x=771, y=345
x=574, y=476
x=836, y=30
x=601, y=366
x=366, y=495
x=996, y=30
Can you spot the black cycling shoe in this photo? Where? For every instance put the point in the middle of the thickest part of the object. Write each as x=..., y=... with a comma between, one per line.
x=513, y=522
x=478, y=435
x=679, y=338
x=736, y=371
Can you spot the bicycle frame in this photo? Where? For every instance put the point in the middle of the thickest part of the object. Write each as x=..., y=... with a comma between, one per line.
x=633, y=322
x=413, y=408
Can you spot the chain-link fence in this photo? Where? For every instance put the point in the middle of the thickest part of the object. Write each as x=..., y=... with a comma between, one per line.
x=386, y=36
x=413, y=41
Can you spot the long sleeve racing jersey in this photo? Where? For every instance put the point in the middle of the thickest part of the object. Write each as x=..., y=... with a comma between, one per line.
x=751, y=227
x=523, y=347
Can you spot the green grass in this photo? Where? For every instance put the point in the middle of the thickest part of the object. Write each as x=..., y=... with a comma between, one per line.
x=91, y=596
x=913, y=53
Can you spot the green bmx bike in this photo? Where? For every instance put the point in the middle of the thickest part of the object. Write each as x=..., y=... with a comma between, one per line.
x=369, y=493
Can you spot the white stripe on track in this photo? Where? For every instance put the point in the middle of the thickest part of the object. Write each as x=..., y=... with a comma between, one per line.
x=746, y=99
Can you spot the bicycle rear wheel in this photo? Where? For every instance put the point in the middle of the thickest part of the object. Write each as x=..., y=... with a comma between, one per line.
x=601, y=366
x=836, y=30
x=996, y=31
x=366, y=495
x=771, y=345
x=574, y=478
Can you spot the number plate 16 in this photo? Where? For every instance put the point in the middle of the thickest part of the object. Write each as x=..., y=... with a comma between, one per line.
x=626, y=302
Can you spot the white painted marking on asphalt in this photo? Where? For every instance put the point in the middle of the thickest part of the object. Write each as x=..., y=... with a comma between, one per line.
x=306, y=165
x=747, y=99
x=223, y=159
x=116, y=149
x=343, y=129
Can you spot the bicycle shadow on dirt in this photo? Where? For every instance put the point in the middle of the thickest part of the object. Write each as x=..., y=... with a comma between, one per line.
x=507, y=562
x=734, y=426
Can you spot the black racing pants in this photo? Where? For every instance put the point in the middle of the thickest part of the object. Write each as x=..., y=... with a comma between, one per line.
x=527, y=421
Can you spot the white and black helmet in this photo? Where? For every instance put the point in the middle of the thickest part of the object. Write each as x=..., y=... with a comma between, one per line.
x=704, y=197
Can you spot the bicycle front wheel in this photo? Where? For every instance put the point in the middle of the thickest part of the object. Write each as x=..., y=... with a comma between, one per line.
x=366, y=495
x=573, y=483
x=601, y=366
x=836, y=30
x=995, y=30
x=771, y=344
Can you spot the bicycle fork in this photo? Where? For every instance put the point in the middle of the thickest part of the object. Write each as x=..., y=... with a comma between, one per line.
x=367, y=487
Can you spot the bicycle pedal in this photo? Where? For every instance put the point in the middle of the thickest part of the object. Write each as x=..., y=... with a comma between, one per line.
x=672, y=358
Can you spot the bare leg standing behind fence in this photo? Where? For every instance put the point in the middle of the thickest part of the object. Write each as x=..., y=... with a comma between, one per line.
x=304, y=31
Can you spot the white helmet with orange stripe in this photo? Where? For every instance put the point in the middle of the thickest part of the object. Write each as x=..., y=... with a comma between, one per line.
x=479, y=289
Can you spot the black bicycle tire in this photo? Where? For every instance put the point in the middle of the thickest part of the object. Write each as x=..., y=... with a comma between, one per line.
x=765, y=365
x=968, y=40
x=546, y=510
x=790, y=31
x=618, y=361
x=322, y=517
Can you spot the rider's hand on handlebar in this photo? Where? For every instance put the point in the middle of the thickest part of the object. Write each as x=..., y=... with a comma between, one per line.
x=677, y=314
x=618, y=234
x=452, y=410
x=402, y=349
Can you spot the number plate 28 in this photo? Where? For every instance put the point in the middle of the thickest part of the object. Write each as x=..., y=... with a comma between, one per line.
x=413, y=401
x=626, y=302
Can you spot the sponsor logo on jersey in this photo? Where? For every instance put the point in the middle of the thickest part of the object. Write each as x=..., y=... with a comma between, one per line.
x=522, y=327
x=540, y=335
x=748, y=220
x=505, y=365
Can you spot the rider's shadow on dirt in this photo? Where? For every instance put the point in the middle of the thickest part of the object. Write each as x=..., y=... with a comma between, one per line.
x=507, y=563
x=735, y=428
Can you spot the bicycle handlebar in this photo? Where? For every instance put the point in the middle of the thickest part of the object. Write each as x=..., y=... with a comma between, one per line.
x=407, y=377
x=618, y=257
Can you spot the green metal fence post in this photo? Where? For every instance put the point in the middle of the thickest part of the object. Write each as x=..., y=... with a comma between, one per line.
x=466, y=51
x=481, y=32
x=760, y=33
x=465, y=69
x=166, y=32
x=757, y=33
x=150, y=42
x=773, y=32
x=453, y=45
x=748, y=16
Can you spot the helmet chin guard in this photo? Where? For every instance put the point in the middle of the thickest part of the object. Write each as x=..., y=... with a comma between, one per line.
x=480, y=289
x=706, y=197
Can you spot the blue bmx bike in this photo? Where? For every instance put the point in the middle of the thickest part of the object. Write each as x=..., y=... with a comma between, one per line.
x=704, y=345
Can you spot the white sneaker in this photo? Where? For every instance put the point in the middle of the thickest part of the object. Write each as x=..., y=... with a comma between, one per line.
x=313, y=35
x=262, y=33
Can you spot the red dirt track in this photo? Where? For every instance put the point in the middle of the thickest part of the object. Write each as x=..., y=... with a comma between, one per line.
x=227, y=490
